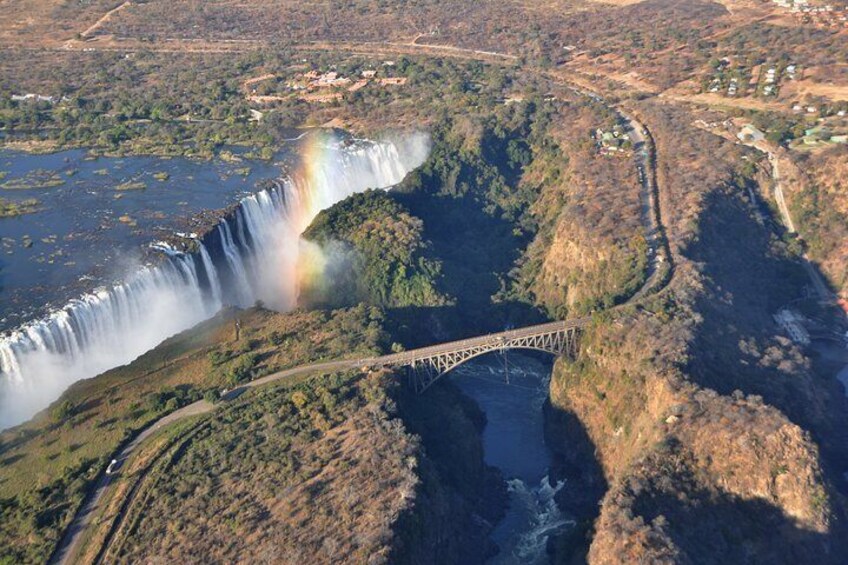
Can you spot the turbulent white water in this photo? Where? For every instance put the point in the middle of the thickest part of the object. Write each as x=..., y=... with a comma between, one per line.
x=512, y=394
x=253, y=257
x=545, y=519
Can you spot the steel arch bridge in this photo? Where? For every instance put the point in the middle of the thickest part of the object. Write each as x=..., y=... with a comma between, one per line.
x=427, y=365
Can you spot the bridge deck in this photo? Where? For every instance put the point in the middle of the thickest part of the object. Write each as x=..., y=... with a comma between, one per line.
x=408, y=357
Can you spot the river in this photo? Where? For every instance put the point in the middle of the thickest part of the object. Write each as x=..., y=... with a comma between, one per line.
x=512, y=393
x=94, y=216
x=252, y=253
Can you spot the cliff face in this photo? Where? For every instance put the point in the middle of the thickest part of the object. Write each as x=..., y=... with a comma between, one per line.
x=589, y=249
x=704, y=435
x=460, y=498
x=819, y=207
x=683, y=462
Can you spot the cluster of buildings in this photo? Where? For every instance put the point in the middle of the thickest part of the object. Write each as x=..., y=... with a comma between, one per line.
x=770, y=88
x=823, y=134
x=611, y=142
x=773, y=74
x=35, y=98
x=827, y=14
x=793, y=324
x=313, y=80
x=739, y=84
x=314, y=86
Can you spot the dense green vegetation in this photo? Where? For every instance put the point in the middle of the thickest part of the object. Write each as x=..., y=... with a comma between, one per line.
x=120, y=104
x=470, y=195
x=383, y=259
x=458, y=227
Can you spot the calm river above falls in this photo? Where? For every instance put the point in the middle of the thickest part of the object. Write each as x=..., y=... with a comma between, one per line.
x=94, y=215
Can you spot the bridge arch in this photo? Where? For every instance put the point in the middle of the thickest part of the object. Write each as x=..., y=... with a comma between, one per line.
x=426, y=366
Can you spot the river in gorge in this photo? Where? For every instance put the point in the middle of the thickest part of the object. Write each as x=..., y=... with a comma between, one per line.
x=512, y=391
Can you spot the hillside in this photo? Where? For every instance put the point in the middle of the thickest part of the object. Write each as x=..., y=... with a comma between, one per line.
x=820, y=207
x=324, y=471
x=372, y=250
x=697, y=412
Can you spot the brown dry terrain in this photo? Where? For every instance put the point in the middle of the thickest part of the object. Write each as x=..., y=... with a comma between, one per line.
x=323, y=472
x=698, y=412
x=590, y=240
x=819, y=210
x=683, y=414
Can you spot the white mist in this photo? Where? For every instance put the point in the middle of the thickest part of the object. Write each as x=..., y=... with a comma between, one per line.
x=260, y=247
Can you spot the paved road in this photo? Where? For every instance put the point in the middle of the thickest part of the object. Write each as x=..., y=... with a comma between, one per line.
x=70, y=545
x=778, y=192
x=657, y=251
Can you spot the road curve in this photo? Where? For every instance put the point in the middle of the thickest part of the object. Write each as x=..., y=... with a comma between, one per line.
x=68, y=547
x=71, y=540
x=70, y=544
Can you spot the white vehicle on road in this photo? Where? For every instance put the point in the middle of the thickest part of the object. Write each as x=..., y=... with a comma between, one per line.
x=113, y=467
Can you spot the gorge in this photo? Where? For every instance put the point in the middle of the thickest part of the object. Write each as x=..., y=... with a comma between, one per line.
x=519, y=213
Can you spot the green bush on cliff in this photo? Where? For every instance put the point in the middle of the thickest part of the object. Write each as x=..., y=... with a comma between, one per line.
x=482, y=158
x=377, y=254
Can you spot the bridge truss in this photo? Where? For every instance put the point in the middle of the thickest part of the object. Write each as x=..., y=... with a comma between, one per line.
x=426, y=367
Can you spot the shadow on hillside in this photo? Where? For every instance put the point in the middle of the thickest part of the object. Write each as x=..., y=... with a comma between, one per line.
x=710, y=526
x=461, y=497
x=737, y=347
x=576, y=463
x=477, y=251
x=748, y=279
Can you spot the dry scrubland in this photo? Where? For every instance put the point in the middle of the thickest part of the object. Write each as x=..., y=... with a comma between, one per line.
x=275, y=477
x=819, y=207
x=689, y=429
x=590, y=249
x=48, y=463
x=326, y=471
x=699, y=414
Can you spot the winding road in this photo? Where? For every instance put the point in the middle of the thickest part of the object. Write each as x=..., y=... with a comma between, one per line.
x=68, y=548
x=820, y=287
x=72, y=540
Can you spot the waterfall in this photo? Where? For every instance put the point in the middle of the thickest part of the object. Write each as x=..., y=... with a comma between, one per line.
x=236, y=264
x=250, y=256
x=212, y=275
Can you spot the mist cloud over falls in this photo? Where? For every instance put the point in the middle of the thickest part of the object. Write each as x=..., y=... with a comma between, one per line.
x=254, y=255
